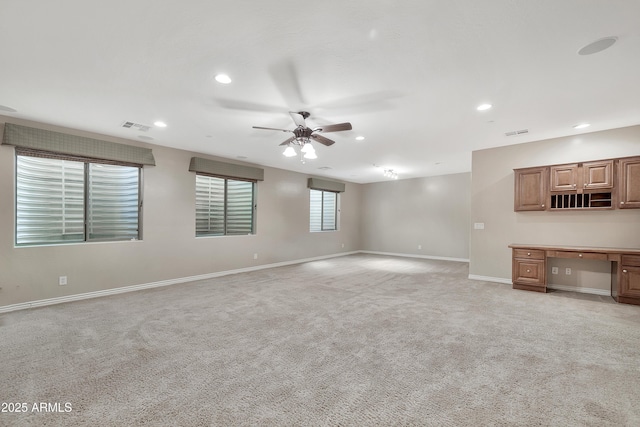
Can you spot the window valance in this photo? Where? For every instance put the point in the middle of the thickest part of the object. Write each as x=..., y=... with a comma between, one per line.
x=225, y=170
x=29, y=138
x=326, y=185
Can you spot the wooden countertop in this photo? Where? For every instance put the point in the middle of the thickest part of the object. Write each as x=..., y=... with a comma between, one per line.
x=585, y=249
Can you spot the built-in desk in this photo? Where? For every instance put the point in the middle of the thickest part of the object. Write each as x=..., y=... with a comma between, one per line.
x=529, y=267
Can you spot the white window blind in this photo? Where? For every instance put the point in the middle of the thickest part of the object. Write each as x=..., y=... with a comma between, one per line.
x=63, y=201
x=49, y=201
x=323, y=209
x=223, y=206
x=113, y=202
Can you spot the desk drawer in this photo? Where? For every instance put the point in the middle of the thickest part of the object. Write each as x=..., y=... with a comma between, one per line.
x=633, y=260
x=580, y=255
x=528, y=253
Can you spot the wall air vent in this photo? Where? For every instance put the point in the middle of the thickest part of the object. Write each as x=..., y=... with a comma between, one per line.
x=516, y=132
x=136, y=126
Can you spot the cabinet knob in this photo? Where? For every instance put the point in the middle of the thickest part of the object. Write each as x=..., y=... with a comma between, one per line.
x=528, y=253
x=580, y=255
x=575, y=185
x=622, y=203
x=529, y=271
x=542, y=205
x=624, y=271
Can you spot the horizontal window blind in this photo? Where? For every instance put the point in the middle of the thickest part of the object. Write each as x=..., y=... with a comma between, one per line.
x=239, y=207
x=49, y=201
x=209, y=206
x=113, y=202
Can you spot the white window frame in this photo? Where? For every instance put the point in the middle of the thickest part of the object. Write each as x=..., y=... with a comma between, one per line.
x=225, y=207
x=323, y=214
x=85, y=228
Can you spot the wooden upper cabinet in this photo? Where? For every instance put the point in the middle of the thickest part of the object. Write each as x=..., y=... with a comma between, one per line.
x=629, y=186
x=531, y=189
x=564, y=177
x=598, y=175
x=582, y=176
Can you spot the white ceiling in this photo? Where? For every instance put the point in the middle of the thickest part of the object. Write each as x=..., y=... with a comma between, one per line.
x=407, y=74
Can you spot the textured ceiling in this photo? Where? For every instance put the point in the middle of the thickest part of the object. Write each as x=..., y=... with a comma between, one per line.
x=408, y=75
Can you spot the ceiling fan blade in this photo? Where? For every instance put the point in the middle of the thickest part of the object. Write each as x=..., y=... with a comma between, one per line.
x=288, y=141
x=281, y=130
x=334, y=128
x=322, y=140
x=298, y=119
x=233, y=104
x=285, y=76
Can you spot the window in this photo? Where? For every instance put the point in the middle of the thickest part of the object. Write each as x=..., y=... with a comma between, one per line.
x=65, y=200
x=224, y=206
x=323, y=210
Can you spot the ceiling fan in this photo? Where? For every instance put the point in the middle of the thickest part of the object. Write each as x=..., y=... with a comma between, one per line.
x=304, y=135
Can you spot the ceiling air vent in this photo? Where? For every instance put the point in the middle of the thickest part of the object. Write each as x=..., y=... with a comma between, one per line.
x=325, y=168
x=516, y=132
x=138, y=126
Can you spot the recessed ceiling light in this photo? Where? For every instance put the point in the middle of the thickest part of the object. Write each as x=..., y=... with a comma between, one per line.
x=598, y=46
x=582, y=126
x=483, y=107
x=223, y=78
x=8, y=109
x=160, y=124
x=359, y=138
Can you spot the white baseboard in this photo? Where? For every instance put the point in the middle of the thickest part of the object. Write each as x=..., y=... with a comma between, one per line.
x=133, y=288
x=440, y=258
x=490, y=279
x=603, y=292
x=593, y=291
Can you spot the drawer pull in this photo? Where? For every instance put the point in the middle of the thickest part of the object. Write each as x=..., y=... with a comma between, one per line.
x=543, y=205
x=529, y=271
x=528, y=253
x=580, y=255
x=622, y=203
x=624, y=271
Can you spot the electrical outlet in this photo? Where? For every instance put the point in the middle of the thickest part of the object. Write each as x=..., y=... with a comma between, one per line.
x=478, y=225
x=567, y=271
x=255, y=256
x=419, y=246
x=62, y=280
x=554, y=270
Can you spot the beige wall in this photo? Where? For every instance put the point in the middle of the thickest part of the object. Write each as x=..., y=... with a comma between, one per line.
x=432, y=212
x=169, y=249
x=492, y=203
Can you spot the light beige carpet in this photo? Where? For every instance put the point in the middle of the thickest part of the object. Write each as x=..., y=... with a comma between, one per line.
x=357, y=340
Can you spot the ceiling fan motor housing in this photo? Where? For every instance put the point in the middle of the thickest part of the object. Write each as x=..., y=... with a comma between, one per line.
x=301, y=132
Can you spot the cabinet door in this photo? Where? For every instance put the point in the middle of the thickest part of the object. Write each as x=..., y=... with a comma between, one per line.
x=531, y=186
x=630, y=282
x=598, y=175
x=564, y=177
x=629, y=188
x=529, y=272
